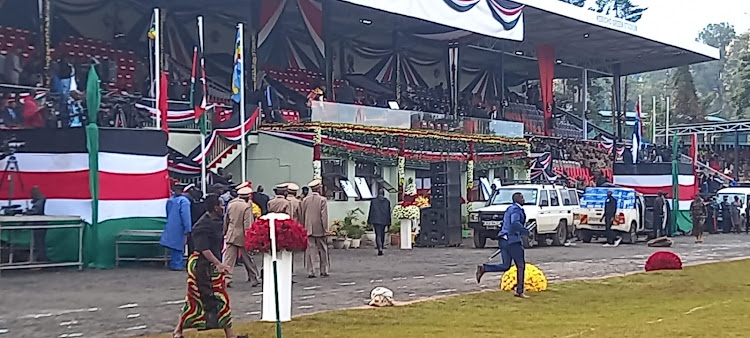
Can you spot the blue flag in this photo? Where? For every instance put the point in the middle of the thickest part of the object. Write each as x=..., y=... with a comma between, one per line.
x=237, y=72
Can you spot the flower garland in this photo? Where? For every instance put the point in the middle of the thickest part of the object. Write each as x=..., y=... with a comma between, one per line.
x=534, y=279
x=401, y=169
x=290, y=235
x=410, y=212
x=317, y=166
x=470, y=175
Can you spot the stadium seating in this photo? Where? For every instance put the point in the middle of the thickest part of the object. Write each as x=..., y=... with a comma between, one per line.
x=13, y=38
x=82, y=49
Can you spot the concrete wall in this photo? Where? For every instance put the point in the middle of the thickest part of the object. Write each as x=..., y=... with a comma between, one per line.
x=274, y=160
x=184, y=142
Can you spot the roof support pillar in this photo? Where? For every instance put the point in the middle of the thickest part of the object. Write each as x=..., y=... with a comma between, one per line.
x=328, y=45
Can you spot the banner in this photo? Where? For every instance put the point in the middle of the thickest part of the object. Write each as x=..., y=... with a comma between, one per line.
x=546, y=56
x=496, y=18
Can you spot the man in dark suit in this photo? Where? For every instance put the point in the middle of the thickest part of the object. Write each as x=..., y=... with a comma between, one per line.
x=261, y=200
x=511, y=245
x=610, y=211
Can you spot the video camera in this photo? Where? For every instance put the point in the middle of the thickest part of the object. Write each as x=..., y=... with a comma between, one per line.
x=9, y=145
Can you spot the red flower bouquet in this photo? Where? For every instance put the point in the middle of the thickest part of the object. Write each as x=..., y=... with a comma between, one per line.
x=663, y=260
x=290, y=236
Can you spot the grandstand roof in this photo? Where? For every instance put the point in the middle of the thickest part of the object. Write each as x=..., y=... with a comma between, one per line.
x=582, y=38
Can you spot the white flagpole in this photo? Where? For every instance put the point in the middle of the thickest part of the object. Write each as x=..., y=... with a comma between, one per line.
x=666, y=125
x=243, y=145
x=198, y=72
x=157, y=65
x=653, y=120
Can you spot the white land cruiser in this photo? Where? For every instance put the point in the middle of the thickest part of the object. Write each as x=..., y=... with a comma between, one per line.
x=549, y=213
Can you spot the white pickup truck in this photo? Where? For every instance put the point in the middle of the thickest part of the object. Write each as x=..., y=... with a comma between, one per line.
x=549, y=213
x=629, y=221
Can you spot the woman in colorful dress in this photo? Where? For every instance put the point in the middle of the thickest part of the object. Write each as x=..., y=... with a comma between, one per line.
x=207, y=302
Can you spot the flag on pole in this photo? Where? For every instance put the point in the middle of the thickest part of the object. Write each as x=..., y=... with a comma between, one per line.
x=197, y=89
x=163, y=105
x=637, y=132
x=93, y=101
x=152, y=33
x=237, y=73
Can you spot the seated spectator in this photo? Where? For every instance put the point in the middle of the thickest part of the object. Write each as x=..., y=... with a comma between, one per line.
x=32, y=114
x=9, y=116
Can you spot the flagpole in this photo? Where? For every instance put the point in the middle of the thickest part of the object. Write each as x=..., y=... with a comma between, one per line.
x=157, y=65
x=243, y=145
x=203, y=135
x=666, y=125
x=653, y=120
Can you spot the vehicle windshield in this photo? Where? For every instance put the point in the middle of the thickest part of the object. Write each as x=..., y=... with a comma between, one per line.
x=505, y=196
x=730, y=197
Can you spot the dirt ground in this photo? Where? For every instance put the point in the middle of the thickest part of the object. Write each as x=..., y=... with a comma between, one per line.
x=140, y=300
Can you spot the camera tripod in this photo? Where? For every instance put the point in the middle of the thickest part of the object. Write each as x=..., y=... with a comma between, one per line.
x=10, y=173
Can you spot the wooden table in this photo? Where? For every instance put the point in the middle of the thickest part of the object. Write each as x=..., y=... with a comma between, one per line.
x=8, y=223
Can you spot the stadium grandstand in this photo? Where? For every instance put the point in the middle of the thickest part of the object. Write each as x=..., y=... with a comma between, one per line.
x=464, y=67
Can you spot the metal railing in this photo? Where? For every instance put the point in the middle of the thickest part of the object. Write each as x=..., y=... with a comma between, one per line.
x=407, y=119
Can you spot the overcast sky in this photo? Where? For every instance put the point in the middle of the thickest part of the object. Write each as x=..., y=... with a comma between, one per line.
x=693, y=15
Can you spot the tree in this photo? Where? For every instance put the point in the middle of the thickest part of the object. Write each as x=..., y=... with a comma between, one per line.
x=578, y=3
x=741, y=94
x=710, y=77
x=621, y=9
x=737, y=83
x=687, y=107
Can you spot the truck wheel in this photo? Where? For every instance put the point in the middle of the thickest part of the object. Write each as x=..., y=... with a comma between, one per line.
x=632, y=235
x=561, y=234
x=479, y=240
x=585, y=235
x=530, y=241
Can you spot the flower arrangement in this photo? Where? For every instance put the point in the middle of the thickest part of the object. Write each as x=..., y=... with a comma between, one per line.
x=663, y=260
x=422, y=201
x=470, y=175
x=290, y=236
x=401, y=170
x=411, y=212
x=256, y=211
x=411, y=188
x=534, y=279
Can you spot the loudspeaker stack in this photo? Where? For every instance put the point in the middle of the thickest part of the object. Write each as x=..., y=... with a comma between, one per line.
x=441, y=222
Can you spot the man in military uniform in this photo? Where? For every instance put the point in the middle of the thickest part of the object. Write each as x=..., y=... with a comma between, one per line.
x=239, y=217
x=279, y=204
x=315, y=218
x=294, y=204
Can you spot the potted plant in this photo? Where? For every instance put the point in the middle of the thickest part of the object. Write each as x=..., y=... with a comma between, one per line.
x=395, y=234
x=355, y=233
x=342, y=229
x=290, y=236
x=337, y=234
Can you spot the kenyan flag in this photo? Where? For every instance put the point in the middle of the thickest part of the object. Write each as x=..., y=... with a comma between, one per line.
x=128, y=191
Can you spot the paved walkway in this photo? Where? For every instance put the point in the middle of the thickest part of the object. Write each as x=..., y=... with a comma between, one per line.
x=142, y=300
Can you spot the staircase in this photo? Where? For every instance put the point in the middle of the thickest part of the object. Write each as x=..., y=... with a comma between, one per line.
x=687, y=159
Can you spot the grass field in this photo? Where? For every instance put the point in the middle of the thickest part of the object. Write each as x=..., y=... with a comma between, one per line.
x=711, y=300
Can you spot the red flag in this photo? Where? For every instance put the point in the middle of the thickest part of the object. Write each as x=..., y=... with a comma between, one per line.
x=546, y=56
x=162, y=105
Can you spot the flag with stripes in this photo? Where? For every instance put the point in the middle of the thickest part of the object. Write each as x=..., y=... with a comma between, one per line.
x=541, y=168
x=133, y=183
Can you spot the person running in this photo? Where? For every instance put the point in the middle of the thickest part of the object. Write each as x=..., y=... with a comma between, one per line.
x=207, y=301
x=511, y=246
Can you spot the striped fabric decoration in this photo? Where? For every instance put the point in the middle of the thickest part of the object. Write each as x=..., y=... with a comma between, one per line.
x=652, y=178
x=133, y=176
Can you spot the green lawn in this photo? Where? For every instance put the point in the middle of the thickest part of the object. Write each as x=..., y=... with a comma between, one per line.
x=711, y=300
